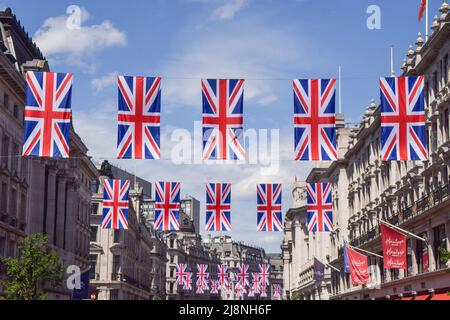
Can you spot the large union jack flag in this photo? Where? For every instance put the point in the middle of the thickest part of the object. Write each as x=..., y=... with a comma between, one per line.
x=319, y=207
x=139, y=118
x=269, y=207
x=264, y=274
x=315, y=119
x=403, y=135
x=167, y=206
x=223, y=119
x=115, y=204
x=222, y=276
x=181, y=273
x=242, y=276
x=218, y=207
x=47, y=114
x=202, y=277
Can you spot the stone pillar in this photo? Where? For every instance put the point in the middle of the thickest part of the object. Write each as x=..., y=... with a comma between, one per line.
x=71, y=216
x=415, y=269
x=431, y=253
x=51, y=205
x=61, y=214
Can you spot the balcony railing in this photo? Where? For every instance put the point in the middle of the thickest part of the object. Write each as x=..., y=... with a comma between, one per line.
x=419, y=207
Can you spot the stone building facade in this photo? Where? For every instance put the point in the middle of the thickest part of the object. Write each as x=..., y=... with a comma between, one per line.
x=38, y=195
x=413, y=195
x=125, y=264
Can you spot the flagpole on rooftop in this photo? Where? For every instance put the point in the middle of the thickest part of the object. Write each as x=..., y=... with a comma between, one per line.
x=402, y=230
x=426, y=21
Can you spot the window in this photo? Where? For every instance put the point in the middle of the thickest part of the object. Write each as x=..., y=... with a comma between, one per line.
x=435, y=84
x=171, y=287
x=2, y=246
x=409, y=266
x=114, y=294
x=172, y=243
x=421, y=256
x=446, y=132
x=116, y=264
x=12, y=248
x=445, y=71
x=4, y=195
x=15, y=159
x=93, y=264
x=13, y=203
x=93, y=236
x=172, y=272
x=439, y=242
x=5, y=150
x=94, y=208
x=16, y=111
x=116, y=236
x=6, y=101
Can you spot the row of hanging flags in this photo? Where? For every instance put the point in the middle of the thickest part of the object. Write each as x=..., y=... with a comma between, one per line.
x=218, y=206
x=243, y=282
x=48, y=117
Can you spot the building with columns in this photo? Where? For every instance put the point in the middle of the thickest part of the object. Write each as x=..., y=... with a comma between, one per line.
x=413, y=195
x=38, y=195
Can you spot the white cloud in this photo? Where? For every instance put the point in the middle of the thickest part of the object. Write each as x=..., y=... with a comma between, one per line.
x=100, y=83
x=229, y=9
x=61, y=43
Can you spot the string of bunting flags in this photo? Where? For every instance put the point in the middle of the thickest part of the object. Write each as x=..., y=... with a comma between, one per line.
x=48, y=116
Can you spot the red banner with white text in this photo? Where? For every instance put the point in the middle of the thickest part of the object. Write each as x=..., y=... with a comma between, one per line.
x=359, y=267
x=394, y=248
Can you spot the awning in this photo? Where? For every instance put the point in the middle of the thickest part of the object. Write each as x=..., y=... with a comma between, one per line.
x=407, y=298
x=423, y=297
x=441, y=296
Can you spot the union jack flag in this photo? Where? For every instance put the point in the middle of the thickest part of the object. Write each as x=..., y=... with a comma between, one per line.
x=315, y=119
x=47, y=114
x=269, y=207
x=251, y=291
x=403, y=134
x=181, y=273
x=202, y=277
x=139, y=118
x=223, y=119
x=222, y=274
x=218, y=207
x=319, y=207
x=256, y=284
x=264, y=274
x=239, y=290
x=167, y=206
x=214, y=286
x=242, y=276
x=263, y=291
x=276, y=291
x=188, y=281
x=115, y=204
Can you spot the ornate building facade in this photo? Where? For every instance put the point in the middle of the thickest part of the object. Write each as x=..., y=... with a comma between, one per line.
x=413, y=195
x=38, y=195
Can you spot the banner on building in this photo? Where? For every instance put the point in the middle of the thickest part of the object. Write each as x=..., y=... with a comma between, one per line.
x=359, y=267
x=394, y=248
x=319, y=270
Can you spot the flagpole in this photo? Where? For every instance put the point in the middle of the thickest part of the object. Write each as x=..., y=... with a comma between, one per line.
x=340, y=89
x=334, y=268
x=392, y=62
x=402, y=230
x=426, y=21
x=365, y=251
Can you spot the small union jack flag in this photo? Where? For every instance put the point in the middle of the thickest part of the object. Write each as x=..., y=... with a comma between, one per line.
x=315, y=119
x=319, y=207
x=188, y=281
x=403, y=133
x=214, y=286
x=202, y=277
x=223, y=119
x=222, y=274
x=264, y=274
x=269, y=207
x=276, y=291
x=115, y=204
x=239, y=290
x=167, y=206
x=139, y=118
x=251, y=291
x=181, y=273
x=263, y=291
x=256, y=284
x=242, y=276
x=47, y=114
x=218, y=207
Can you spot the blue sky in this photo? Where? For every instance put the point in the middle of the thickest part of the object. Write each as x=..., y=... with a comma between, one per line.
x=267, y=42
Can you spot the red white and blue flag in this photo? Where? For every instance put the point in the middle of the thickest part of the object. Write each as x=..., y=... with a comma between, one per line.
x=315, y=119
x=214, y=286
x=139, y=118
x=202, y=277
x=256, y=283
x=269, y=207
x=276, y=291
x=242, y=276
x=167, y=206
x=115, y=204
x=403, y=133
x=223, y=119
x=181, y=273
x=47, y=114
x=319, y=207
x=264, y=274
x=188, y=281
x=222, y=275
x=218, y=207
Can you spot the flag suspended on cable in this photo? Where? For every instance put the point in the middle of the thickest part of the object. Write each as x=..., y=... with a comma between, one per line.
x=181, y=273
x=115, y=204
x=394, y=248
x=223, y=119
x=264, y=274
x=202, y=277
x=222, y=274
x=319, y=207
x=255, y=283
x=423, y=5
x=276, y=291
x=139, y=118
x=403, y=134
x=269, y=215
x=359, y=267
x=188, y=281
x=47, y=115
x=214, y=286
x=315, y=119
x=167, y=206
x=218, y=207
x=242, y=276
